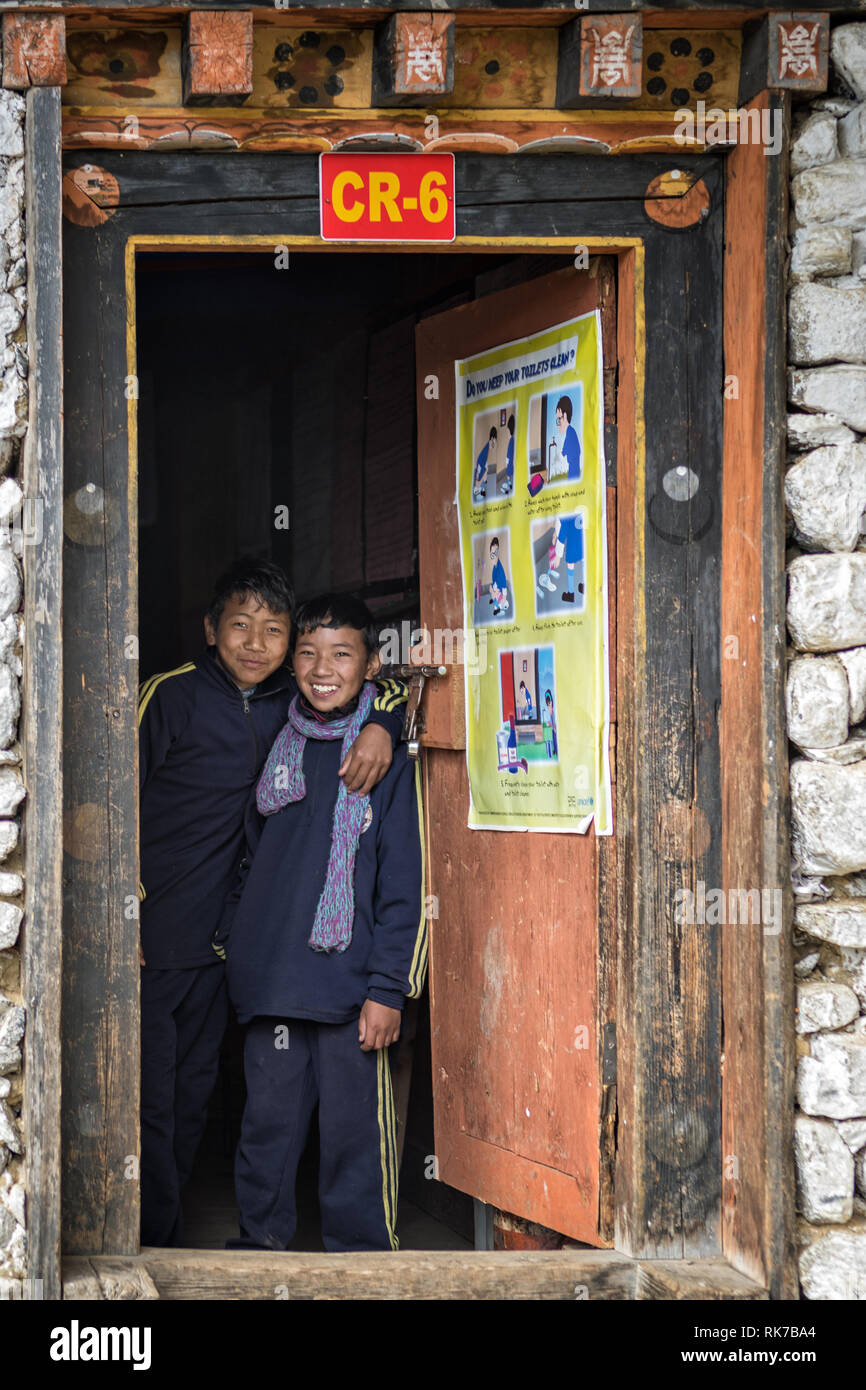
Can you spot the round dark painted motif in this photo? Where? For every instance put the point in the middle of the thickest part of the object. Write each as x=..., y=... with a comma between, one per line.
x=681, y=48
x=656, y=86
x=655, y=61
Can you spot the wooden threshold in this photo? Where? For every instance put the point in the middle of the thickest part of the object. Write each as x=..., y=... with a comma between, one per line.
x=233, y=1275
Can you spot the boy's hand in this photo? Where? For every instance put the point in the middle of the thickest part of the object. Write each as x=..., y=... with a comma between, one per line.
x=378, y=1026
x=367, y=760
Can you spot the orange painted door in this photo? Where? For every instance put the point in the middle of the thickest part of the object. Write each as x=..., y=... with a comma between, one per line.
x=516, y=956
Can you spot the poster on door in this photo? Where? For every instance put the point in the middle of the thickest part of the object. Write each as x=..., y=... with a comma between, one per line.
x=531, y=506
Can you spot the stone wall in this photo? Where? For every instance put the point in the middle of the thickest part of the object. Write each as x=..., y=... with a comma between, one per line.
x=13, y=424
x=825, y=488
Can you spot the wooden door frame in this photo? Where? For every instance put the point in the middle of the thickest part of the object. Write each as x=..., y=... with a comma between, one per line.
x=762, y=1251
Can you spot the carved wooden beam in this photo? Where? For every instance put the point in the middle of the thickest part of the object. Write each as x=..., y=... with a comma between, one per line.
x=413, y=59
x=34, y=51
x=786, y=52
x=599, y=61
x=217, y=58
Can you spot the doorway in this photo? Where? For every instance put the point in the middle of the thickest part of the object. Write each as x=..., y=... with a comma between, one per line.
x=277, y=418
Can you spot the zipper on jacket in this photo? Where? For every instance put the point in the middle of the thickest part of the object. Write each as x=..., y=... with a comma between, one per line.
x=252, y=728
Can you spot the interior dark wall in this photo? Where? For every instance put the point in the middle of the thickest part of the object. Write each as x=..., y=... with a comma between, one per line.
x=264, y=388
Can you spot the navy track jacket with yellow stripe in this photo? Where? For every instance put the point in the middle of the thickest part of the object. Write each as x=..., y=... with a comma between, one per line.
x=202, y=745
x=272, y=970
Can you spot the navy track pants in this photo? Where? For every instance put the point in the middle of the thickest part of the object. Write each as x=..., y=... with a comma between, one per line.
x=290, y=1064
x=183, y=1019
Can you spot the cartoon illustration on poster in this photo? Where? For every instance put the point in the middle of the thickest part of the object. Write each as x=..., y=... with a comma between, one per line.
x=531, y=504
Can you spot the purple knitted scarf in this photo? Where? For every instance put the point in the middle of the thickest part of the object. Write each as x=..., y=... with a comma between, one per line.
x=282, y=782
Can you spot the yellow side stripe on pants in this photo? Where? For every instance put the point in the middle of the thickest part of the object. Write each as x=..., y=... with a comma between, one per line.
x=387, y=1145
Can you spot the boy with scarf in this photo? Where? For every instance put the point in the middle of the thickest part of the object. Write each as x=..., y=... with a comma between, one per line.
x=204, y=731
x=319, y=963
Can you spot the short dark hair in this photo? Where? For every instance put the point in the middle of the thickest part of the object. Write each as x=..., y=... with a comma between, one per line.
x=511, y=424
x=493, y=434
x=333, y=611
x=494, y=542
x=564, y=404
x=264, y=580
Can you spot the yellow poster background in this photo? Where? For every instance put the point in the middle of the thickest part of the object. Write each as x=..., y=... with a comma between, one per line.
x=531, y=506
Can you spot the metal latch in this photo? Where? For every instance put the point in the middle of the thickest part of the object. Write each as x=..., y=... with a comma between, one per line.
x=413, y=723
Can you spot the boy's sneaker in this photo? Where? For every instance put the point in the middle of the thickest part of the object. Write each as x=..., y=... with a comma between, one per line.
x=496, y=612
x=580, y=588
x=567, y=597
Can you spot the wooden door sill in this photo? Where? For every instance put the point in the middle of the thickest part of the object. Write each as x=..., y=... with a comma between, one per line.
x=570, y=1275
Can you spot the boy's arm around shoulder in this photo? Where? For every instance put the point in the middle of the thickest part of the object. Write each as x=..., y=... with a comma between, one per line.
x=370, y=756
x=398, y=960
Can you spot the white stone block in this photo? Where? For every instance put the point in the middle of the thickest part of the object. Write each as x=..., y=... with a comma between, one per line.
x=10, y=704
x=814, y=431
x=853, y=1132
x=854, y=661
x=814, y=142
x=10, y=499
x=10, y=582
x=852, y=133
x=10, y=924
x=826, y=325
x=823, y=1004
x=828, y=806
x=853, y=750
x=11, y=124
x=827, y=602
x=839, y=391
x=821, y=250
x=848, y=54
x=832, y=193
x=8, y=836
x=841, y=922
x=832, y=1081
x=826, y=494
x=12, y=791
x=11, y=885
x=825, y=1172
x=833, y=1264
x=817, y=701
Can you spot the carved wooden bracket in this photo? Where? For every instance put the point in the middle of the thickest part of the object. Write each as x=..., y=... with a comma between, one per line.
x=34, y=51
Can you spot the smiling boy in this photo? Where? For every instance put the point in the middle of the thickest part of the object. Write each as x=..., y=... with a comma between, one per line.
x=319, y=964
x=204, y=732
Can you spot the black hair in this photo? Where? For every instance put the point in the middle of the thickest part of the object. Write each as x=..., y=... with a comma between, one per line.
x=333, y=611
x=493, y=434
x=522, y=685
x=564, y=404
x=494, y=542
x=548, y=696
x=511, y=424
x=264, y=580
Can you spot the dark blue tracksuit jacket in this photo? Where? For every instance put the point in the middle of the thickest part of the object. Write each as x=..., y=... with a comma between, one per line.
x=202, y=744
x=268, y=920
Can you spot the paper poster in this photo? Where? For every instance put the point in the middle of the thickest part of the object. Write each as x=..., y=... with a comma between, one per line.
x=531, y=504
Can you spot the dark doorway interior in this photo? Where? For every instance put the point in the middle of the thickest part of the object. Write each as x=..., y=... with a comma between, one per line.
x=277, y=419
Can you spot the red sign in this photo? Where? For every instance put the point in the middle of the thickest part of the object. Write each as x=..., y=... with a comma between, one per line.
x=386, y=197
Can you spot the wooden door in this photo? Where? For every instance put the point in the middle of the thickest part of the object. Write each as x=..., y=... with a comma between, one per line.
x=517, y=960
